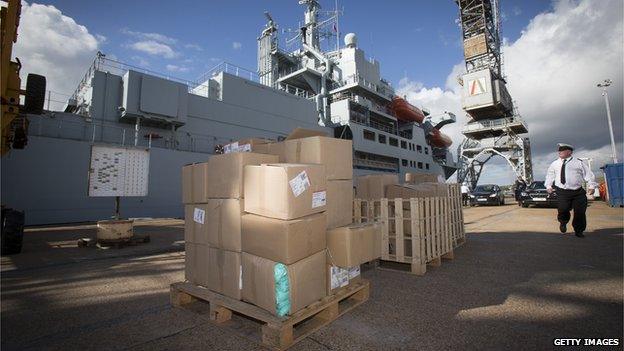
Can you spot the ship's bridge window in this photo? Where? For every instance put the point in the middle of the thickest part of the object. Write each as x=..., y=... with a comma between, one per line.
x=403, y=144
x=419, y=165
x=394, y=141
x=404, y=163
x=427, y=165
x=419, y=148
x=382, y=138
x=426, y=150
x=368, y=135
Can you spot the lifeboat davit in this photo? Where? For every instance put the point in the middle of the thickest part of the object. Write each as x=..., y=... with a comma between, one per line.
x=407, y=112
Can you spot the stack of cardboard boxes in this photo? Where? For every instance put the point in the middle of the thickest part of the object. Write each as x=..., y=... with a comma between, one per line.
x=276, y=230
x=213, y=194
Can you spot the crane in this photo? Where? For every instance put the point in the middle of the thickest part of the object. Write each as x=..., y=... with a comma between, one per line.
x=14, y=125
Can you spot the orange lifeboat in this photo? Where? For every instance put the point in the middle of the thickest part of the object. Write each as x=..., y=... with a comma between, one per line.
x=439, y=139
x=405, y=111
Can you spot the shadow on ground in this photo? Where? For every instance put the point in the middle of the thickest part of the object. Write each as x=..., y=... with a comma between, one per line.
x=514, y=290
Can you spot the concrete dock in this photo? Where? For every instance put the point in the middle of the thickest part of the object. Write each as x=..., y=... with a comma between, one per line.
x=517, y=283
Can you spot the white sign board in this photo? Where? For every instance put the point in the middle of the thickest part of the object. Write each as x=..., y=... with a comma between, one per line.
x=118, y=171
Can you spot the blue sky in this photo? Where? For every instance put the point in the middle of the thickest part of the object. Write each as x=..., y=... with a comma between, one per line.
x=417, y=38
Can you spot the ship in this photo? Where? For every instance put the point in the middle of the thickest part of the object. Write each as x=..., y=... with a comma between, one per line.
x=335, y=89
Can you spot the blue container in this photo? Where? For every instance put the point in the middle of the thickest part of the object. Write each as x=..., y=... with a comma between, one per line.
x=614, y=176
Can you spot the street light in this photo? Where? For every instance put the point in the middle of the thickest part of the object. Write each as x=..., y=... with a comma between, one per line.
x=604, y=86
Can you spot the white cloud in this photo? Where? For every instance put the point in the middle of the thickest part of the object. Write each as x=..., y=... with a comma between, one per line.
x=101, y=39
x=141, y=61
x=174, y=68
x=54, y=45
x=154, y=48
x=143, y=36
x=193, y=46
x=236, y=45
x=552, y=73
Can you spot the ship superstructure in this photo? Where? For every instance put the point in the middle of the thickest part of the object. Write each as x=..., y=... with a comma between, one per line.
x=339, y=91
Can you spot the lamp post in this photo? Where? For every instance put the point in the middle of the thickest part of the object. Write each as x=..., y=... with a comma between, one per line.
x=604, y=86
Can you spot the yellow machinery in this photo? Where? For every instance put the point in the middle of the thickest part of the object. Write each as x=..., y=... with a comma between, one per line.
x=14, y=123
x=13, y=115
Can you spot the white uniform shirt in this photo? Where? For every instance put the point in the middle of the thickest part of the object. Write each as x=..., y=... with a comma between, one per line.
x=575, y=172
x=464, y=189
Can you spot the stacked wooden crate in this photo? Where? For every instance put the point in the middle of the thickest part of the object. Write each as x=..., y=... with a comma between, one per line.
x=420, y=226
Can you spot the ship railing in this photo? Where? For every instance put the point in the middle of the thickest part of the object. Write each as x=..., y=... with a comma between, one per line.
x=98, y=131
x=361, y=119
x=358, y=79
x=293, y=90
x=229, y=68
x=374, y=164
x=104, y=64
x=55, y=101
x=493, y=123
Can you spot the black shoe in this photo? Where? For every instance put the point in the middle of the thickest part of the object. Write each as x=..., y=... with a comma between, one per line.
x=562, y=228
x=579, y=234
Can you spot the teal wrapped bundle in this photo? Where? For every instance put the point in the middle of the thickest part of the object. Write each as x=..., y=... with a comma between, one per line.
x=282, y=289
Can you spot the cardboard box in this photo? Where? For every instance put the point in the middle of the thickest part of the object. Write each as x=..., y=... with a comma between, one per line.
x=373, y=187
x=224, y=174
x=195, y=224
x=224, y=272
x=257, y=145
x=278, y=149
x=335, y=154
x=189, y=262
x=339, y=203
x=187, y=180
x=284, y=241
x=196, y=263
x=417, y=178
x=306, y=281
x=338, y=277
x=223, y=223
x=354, y=244
x=285, y=191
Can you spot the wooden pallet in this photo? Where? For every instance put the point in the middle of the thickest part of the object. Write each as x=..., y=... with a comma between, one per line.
x=278, y=333
x=417, y=231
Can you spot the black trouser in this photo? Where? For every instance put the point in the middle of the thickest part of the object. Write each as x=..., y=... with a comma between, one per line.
x=465, y=199
x=572, y=200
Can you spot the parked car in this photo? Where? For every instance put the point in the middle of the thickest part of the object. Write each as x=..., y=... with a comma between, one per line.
x=536, y=194
x=487, y=194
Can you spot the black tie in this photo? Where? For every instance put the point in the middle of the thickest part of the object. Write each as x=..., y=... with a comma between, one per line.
x=563, y=172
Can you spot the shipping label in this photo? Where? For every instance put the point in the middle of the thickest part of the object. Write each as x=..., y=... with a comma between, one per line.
x=339, y=277
x=244, y=148
x=198, y=215
x=300, y=183
x=319, y=199
x=354, y=272
x=231, y=147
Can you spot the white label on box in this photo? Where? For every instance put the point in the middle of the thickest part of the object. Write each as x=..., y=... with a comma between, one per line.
x=198, y=215
x=244, y=148
x=319, y=198
x=339, y=277
x=231, y=147
x=354, y=272
x=240, y=278
x=300, y=183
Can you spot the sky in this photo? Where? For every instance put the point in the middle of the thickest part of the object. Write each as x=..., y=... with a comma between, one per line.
x=554, y=53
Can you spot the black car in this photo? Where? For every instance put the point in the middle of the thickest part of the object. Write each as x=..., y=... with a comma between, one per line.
x=487, y=194
x=536, y=194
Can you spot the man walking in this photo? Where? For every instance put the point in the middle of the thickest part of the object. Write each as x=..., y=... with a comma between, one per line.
x=567, y=173
x=464, y=192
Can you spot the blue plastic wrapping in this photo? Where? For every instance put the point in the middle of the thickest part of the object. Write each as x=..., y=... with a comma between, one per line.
x=282, y=290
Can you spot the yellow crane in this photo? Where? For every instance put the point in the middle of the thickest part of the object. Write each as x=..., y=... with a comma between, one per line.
x=14, y=125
